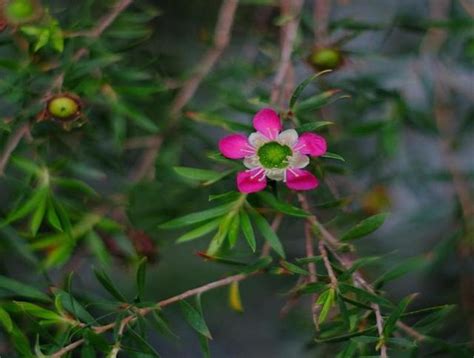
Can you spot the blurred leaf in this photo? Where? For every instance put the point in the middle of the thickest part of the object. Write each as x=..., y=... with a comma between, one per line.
x=326, y=301
x=365, y=295
x=335, y=156
x=5, y=320
x=73, y=306
x=28, y=206
x=234, y=230
x=199, y=231
x=107, y=283
x=365, y=227
x=391, y=322
x=411, y=265
x=197, y=217
x=37, y=311
x=282, y=206
x=141, y=277
x=293, y=268
x=235, y=302
x=300, y=88
x=194, y=319
x=267, y=232
x=205, y=175
x=19, y=289
x=247, y=229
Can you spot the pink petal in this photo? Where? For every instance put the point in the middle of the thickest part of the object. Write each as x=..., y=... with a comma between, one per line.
x=298, y=179
x=235, y=146
x=311, y=144
x=267, y=122
x=251, y=181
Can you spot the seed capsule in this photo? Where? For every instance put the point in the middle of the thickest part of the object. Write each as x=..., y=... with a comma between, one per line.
x=64, y=107
x=21, y=11
x=325, y=59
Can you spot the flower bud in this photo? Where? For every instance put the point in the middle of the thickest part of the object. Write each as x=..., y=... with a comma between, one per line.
x=325, y=59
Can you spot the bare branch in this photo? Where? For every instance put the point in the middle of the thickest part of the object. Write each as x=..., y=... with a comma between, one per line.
x=289, y=9
x=11, y=145
x=222, y=33
x=144, y=311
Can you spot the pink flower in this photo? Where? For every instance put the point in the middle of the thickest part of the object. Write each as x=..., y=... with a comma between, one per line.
x=274, y=154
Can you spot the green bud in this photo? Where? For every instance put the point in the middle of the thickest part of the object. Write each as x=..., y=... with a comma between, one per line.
x=20, y=11
x=325, y=59
x=64, y=107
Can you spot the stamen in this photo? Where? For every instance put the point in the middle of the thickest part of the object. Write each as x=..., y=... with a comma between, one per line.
x=293, y=172
x=259, y=171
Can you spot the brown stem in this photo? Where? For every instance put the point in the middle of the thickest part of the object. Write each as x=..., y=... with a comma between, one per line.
x=290, y=9
x=327, y=264
x=144, y=311
x=222, y=35
x=321, y=10
x=11, y=145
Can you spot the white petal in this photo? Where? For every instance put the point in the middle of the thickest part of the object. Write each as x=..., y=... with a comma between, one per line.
x=257, y=139
x=252, y=162
x=298, y=160
x=276, y=174
x=288, y=137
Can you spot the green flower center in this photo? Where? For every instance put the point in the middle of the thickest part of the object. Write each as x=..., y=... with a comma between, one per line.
x=63, y=107
x=274, y=155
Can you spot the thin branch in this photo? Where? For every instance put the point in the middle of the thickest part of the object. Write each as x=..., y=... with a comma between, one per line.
x=327, y=264
x=222, y=32
x=222, y=35
x=290, y=9
x=379, y=322
x=144, y=311
x=321, y=10
x=11, y=145
x=105, y=21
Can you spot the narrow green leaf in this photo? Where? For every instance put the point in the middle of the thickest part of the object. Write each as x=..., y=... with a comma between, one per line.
x=326, y=300
x=197, y=217
x=268, y=233
x=144, y=346
x=70, y=304
x=28, y=206
x=282, y=206
x=37, y=311
x=199, y=231
x=206, y=175
x=19, y=289
x=195, y=319
x=247, y=229
x=38, y=214
x=141, y=277
x=408, y=266
x=391, y=322
x=335, y=156
x=161, y=325
x=365, y=227
x=5, y=320
x=312, y=126
x=234, y=230
x=52, y=216
x=365, y=295
x=107, y=283
x=299, y=89
x=293, y=268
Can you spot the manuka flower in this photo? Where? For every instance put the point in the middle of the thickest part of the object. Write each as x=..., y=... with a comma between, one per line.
x=270, y=153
